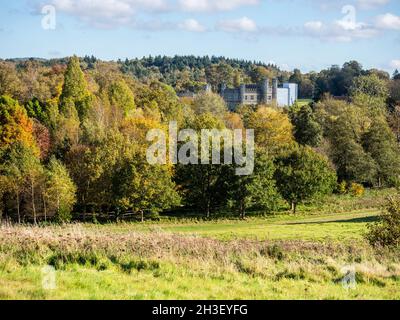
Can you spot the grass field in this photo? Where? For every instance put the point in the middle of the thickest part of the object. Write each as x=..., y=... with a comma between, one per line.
x=279, y=257
x=322, y=227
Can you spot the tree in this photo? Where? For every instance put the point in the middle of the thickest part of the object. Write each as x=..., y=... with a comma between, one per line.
x=273, y=130
x=307, y=130
x=12, y=179
x=42, y=138
x=33, y=172
x=75, y=94
x=344, y=125
x=160, y=99
x=121, y=98
x=143, y=188
x=370, y=85
x=386, y=231
x=204, y=186
x=396, y=75
x=22, y=166
x=302, y=175
x=15, y=126
x=9, y=81
x=208, y=102
x=60, y=191
x=254, y=191
x=380, y=143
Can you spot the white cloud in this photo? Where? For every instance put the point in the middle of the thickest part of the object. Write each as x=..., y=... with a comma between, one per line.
x=238, y=25
x=388, y=21
x=192, y=25
x=395, y=64
x=370, y=4
x=340, y=30
x=108, y=13
x=313, y=26
x=214, y=5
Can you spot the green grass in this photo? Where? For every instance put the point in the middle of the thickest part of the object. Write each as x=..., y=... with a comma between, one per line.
x=337, y=227
x=304, y=102
x=280, y=256
x=180, y=282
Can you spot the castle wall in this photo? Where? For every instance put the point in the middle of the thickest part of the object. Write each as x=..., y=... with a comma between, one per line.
x=263, y=93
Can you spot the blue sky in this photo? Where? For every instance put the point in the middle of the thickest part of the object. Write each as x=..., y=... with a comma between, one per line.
x=305, y=34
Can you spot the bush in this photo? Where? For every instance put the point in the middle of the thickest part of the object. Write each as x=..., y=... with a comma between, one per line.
x=386, y=232
x=342, y=187
x=357, y=190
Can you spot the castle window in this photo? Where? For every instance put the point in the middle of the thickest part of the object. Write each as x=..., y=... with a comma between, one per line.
x=246, y=97
x=252, y=97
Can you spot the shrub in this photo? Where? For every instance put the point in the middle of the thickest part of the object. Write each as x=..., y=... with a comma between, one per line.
x=342, y=187
x=386, y=232
x=357, y=190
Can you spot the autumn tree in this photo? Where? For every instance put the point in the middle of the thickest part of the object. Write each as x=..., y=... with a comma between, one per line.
x=208, y=102
x=273, y=130
x=10, y=84
x=14, y=124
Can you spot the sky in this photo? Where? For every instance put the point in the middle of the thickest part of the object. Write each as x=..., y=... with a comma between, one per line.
x=305, y=34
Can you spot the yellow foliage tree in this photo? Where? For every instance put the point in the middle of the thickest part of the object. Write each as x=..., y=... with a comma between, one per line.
x=273, y=130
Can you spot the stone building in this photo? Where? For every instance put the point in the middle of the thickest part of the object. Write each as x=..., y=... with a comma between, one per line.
x=262, y=93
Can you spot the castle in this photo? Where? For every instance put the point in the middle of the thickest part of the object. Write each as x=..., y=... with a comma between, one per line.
x=262, y=93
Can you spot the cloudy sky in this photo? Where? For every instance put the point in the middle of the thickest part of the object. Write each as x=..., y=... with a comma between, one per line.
x=305, y=34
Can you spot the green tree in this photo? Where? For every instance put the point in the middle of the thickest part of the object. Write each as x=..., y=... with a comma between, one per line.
x=143, y=188
x=386, y=231
x=204, y=186
x=257, y=190
x=122, y=98
x=370, y=85
x=60, y=191
x=75, y=94
x=307, y=130
x=380, y=143
x=303, y=175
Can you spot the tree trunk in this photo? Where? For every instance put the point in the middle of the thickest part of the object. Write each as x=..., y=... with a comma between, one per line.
x=242, y=210
x=33, y=202
x=18, y=208
x=142, y=215
x=44, y=208
x=294, y=207
x=208, y=209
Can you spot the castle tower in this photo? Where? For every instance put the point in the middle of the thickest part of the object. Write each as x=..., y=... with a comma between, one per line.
x=242, y=93
x=264, y=86
x=274, y=89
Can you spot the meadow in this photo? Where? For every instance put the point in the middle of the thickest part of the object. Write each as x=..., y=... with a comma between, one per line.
x=303, y=256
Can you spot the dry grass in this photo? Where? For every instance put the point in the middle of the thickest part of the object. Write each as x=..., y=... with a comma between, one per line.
x=171, y=256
